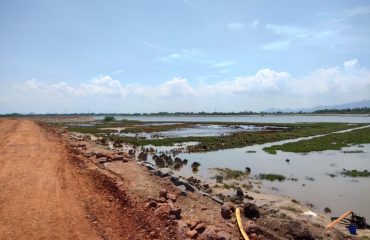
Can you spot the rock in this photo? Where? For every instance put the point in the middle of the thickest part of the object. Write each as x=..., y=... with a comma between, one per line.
x=248, y=197
x=176, y=212
x=240, y=193
x=171, y=196
x=251, y=210
x=117, y=158
x=200, y=228
x=163, y=193
x=226, y=210
x=192, y=224
x=170, y=203
x=163, y=172
x=192, y=234
x=177, y=181
x=151, y=204
x=164, y=209
x=222, y=235
x=161, y=200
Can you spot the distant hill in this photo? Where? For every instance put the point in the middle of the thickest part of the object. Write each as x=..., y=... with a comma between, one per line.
x=359, y=104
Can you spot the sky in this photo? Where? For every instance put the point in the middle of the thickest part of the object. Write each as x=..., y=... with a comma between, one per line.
x=182, y=55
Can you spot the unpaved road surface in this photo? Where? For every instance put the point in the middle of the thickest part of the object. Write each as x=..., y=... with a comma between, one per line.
x=44, y=196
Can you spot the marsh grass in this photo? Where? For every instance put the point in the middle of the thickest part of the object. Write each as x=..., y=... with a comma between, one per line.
x=332, y=141
x=356, y=173
x=271, y=177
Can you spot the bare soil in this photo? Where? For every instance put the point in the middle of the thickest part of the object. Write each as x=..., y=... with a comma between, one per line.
x=47, y=192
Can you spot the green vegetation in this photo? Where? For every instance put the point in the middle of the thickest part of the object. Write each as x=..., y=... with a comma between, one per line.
x=364, y=110
x=271, y=177
x=109, y=119
x=211, y=143
x=356, y=173
x=228, y=173
x=333, y=141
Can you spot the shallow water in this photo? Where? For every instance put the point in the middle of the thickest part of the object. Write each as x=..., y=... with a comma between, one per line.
x=349, y=118
x=200, y=130
x=339, y=193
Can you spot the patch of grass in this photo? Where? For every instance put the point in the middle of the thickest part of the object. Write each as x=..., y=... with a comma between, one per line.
x=228, y=173
x=271, y=177
x=109, y=119
x=333, y=141
x=356, y=173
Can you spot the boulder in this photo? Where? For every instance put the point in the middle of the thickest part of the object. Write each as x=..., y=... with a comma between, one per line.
x=227, y=210
x=251, y=211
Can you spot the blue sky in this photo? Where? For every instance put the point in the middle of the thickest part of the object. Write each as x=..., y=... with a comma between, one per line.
x=182, y=55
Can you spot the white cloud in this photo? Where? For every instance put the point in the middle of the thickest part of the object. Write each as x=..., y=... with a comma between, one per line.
x=276, y=46
x=321, y=85
x=235, y=26
x=223, y=64
x=265, y=80
x=350, y=63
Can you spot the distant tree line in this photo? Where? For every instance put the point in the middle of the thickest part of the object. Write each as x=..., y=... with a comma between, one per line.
x=364, y=110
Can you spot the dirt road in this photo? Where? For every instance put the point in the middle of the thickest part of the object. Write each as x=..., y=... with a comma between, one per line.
x=44, y=196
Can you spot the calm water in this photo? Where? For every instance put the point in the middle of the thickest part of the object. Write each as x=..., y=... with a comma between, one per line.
x=200, y=130
x=254, y=118
x=339, y=193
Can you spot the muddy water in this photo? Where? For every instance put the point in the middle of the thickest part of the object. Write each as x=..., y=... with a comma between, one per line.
x=338, y=193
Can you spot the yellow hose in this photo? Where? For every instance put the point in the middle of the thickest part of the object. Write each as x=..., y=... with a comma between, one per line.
x=241, y=228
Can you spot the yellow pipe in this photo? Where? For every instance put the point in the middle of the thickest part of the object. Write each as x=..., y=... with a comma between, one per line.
x=241, y=228
x=333, y=223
